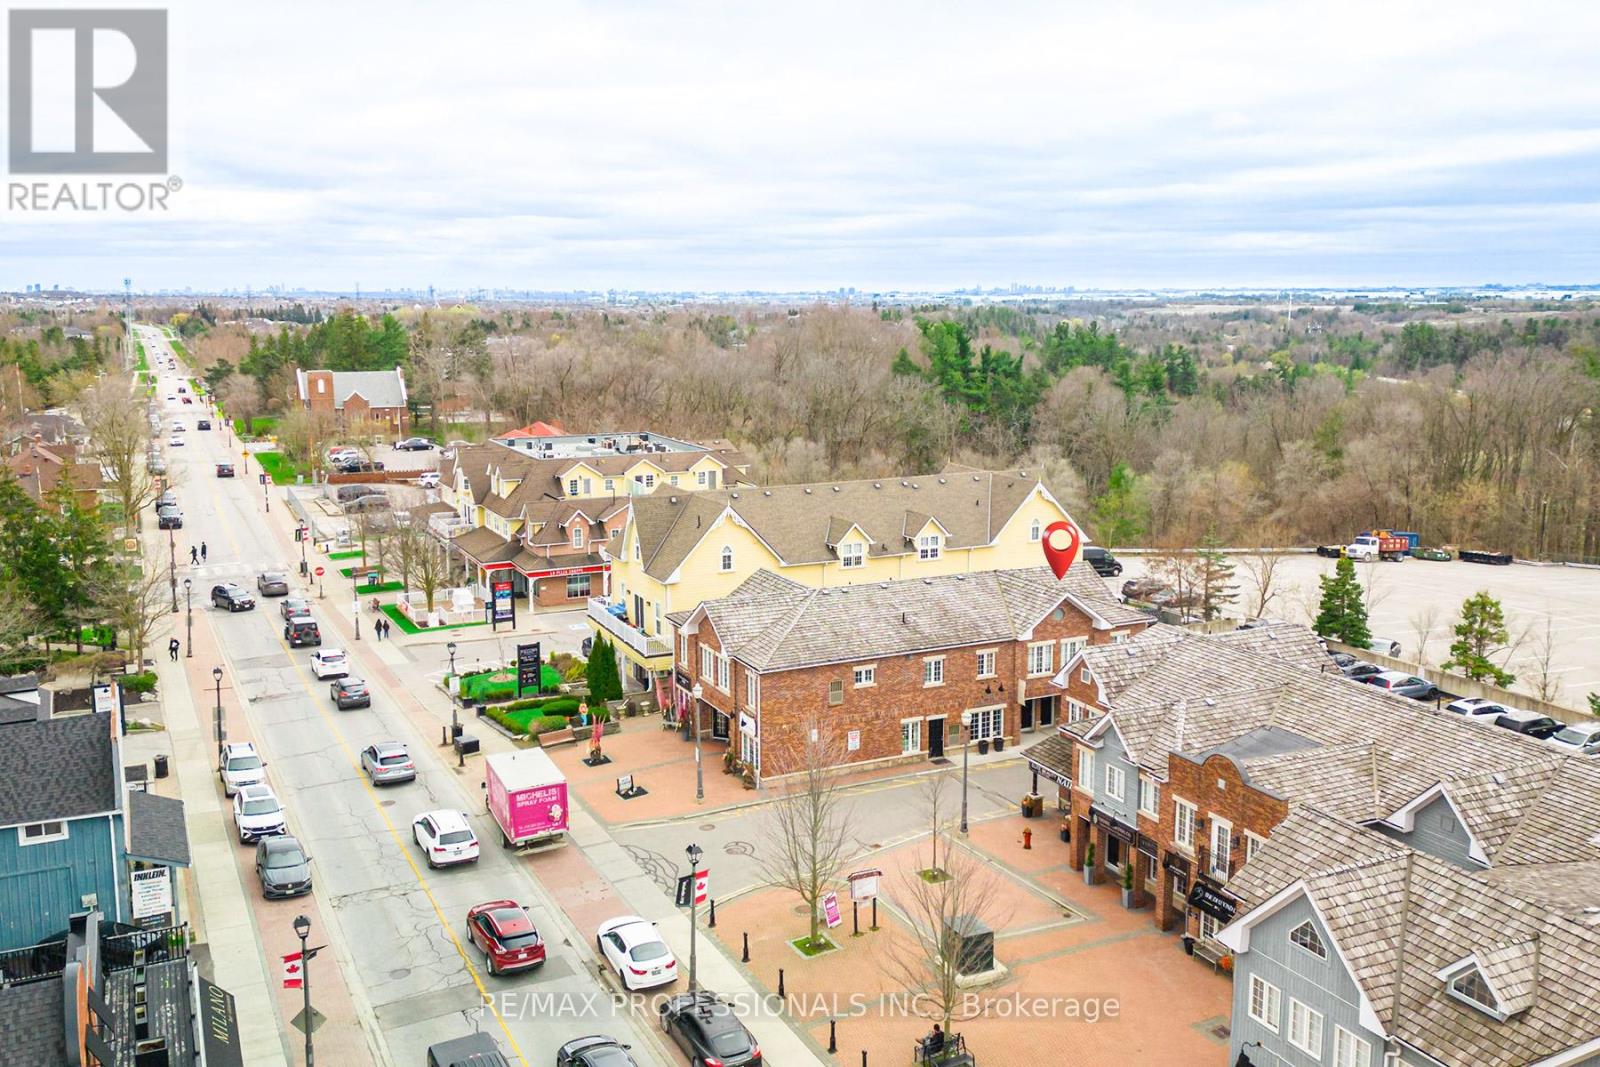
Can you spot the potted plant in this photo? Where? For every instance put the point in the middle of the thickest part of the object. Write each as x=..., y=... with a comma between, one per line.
x=1127, y=884
x=730, y=762
x=1088, y=865
x=749, y=776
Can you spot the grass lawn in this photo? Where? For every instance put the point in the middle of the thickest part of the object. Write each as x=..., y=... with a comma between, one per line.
x=354, y=553
x=263, y=426
x=463, y=431
x=501, y=684
x=399, y=618
x=808, y=948
x=280, y=468
x=381, y=587
x=177, y=346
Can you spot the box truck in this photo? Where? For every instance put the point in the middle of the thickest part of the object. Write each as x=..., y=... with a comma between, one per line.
x=526, y=795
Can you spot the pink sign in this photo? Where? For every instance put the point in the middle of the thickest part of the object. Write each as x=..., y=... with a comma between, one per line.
x=830, y=909
x=529, y=812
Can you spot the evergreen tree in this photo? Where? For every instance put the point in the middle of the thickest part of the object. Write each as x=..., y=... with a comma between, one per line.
x=1214, y=577
x=1480, y=635
x=605, y=683
x=1120, y=513
x=1343, y=614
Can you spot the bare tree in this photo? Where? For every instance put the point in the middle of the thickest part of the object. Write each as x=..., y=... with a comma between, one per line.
x=241, y=399
x=1261, y=567
x=119, y=430
x=1546, y=679
x=1424, y=621
x=134, y=599
x=420, y=558
x=930, y=960
x=807, y=836
x=933, y=791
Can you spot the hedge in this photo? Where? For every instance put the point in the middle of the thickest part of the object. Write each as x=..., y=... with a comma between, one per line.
x=528, y=722
x=138, y=683
x=481, y=687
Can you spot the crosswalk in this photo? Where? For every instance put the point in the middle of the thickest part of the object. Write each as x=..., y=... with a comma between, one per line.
x=220, y=570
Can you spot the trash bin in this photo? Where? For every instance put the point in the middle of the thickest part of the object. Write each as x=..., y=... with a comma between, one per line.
x=483, y=709
x=161, y=766
x=983, y=746
x=455, y=730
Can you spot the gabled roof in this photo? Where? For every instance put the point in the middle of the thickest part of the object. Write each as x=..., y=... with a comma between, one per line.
x=533, y=429
x=57, y=769
x=156, y=829
x=796, y=520
x=379, y=388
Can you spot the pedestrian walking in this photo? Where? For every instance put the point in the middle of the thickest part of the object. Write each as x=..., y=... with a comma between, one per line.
x=202, y=551
x=194, y=555
x=172, y=650
x=387, y=626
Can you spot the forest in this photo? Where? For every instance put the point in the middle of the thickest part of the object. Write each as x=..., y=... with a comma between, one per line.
x=1248, y=423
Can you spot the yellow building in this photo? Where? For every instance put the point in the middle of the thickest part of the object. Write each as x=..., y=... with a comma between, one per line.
x=679, y=549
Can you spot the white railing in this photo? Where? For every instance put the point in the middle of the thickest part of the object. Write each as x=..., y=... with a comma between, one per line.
x=446, y=525
x=621, y=630
x=450, y=606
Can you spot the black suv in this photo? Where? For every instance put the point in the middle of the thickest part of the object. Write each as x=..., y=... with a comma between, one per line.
x=300, y=632
x=707, y=1030
x=169, y=518
x=1103, y=562
x=203, y=424
x=232, y=597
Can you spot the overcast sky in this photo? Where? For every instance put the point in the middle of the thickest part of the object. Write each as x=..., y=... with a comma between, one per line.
x=876, y=145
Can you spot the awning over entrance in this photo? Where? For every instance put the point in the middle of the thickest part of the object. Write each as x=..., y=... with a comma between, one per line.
x=1052, y=759
x=1212, y=901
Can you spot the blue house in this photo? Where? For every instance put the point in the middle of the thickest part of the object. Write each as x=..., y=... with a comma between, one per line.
x=65, y=830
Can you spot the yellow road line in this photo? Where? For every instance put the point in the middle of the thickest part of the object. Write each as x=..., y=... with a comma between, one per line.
x=372, y=795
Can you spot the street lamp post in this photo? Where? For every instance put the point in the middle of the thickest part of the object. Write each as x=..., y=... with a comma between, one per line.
x=966, y=750
x=357, y=612
x=694, y=853
x=451, y=648
x=188, y=605
x=302, y=929
x=172, y=568
x=216, y=676
x=305, y=535
x=699, y=772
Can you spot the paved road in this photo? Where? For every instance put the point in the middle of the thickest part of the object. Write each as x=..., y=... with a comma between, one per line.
x=399, y=923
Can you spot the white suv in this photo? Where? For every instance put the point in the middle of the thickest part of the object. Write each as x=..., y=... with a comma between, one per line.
x=257, y=813
x=445, y=837
x=241, y=766
x=330, y=663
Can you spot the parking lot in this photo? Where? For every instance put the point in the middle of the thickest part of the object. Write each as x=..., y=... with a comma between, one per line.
x=1402, y=597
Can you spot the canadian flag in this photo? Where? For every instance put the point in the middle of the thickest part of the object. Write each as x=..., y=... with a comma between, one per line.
x=292, y=970
x=701, y=878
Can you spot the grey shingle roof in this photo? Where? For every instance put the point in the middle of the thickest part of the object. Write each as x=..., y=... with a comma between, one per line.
x=780, y=625
x=796, y=520
x=156, y=829
x=33, y=1024
x=56, y=769
x=379, y=388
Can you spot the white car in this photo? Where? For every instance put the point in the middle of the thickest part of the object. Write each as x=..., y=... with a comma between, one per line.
x=175, y=442
x=1477, y=709
x=240, y=766
x=257, y=813
x=636, y=952
x=445, y=837
x=428, y=479
x=330, y=663
x=337, y=454
x=1582, y=738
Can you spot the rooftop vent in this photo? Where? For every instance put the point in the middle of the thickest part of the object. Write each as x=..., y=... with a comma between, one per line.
x=941, y=481
x=927, y=581
x=836, y=489
x=1211, y=702
x=1497, y=778
x=902, y=485
x=877, y=485
x=766, y=492
x=808, y=490
x=672, y=500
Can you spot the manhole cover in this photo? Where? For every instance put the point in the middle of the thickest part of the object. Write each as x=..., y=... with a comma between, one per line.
x=708, y=826
x=386, y=803
x=801, y=909
x=1222, y=1032
x=399, y=972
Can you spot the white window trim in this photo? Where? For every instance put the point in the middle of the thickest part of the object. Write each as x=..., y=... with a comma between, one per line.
x=1308, y=1014
x=1225, y=852
x=1315, y=933
x=922, y=741
x=725, y=560
x=1049, y=648
x=929, y=547
x=752, y=689
x=1271, y=1002
x=853, y=556
x=932, y=659
x=1253, y=843
x=1119, y=790
x=1359, y=1049
x=43, y=839
x=1154, y=787
x=832, y=703
x=1179, y=806
x=872, y=675
x=1071, y=646
x=1086, y=771
x=994, y=662
x=1035, y=531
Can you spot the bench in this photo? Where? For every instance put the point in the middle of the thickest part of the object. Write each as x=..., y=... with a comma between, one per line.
x=552, y=738
x=1210, y=952
x=953, y=1054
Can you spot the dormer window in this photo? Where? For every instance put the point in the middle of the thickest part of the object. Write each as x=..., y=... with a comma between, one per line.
x=852, y=555
x=572, y=487
x=727, y=558
x=577, y=536
x=929, y=545
x=1471, y=987
x=1305, y=935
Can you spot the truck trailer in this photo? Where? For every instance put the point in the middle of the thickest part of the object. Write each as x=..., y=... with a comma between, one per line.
x=526, y=795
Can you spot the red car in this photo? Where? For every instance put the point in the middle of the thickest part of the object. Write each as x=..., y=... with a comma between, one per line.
x=502, y=929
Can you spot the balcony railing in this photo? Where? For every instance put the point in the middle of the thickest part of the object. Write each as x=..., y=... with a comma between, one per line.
x=626, y=632
x=446, y=525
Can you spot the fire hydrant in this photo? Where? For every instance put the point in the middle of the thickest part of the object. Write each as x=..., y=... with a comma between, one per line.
x=1027, y=837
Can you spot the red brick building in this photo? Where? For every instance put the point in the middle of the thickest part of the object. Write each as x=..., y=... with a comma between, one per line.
x=889, y=668
x=352, y=396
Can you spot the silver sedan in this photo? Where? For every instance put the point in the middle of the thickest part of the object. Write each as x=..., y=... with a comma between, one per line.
x=388, y=762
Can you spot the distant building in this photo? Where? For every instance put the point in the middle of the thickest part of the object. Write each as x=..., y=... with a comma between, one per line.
x=39, y=468
x=379, y=395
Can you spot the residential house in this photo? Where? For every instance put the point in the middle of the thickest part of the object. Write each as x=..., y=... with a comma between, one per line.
x=549, y=521
x=71, y=837
x=351, y=396
x=680, y=549
x=890, y=671
x=40, y=468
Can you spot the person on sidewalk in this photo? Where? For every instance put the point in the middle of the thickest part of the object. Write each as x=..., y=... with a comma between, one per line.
x=387, y=626
x=172, y=650
x=194, y=555
x=202, y=551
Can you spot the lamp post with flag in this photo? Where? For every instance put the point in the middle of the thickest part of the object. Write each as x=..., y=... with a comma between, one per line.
x=297, y=975
x=692, y=891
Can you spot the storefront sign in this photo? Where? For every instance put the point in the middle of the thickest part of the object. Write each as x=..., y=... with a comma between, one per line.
x=150, y=891
x=1176, y=864
x=1212, y=901
x=747, y=724
x=1044, y=771
x=682, y=678
x=105, y=700
x=566, y=572
x=219, y=1027
x=1146, y=845
x=1111, y=825
x=530, y=662
x=505, y=609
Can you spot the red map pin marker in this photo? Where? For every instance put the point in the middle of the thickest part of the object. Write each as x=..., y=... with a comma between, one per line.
x=1061, y=542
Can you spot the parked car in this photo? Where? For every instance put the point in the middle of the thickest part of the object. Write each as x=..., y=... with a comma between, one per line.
x=356, y=466
x=1402, y=684
x=1476, y=709
x=282, y=867
x=368, y=502
x=1143, y=588
x=634, y=949
x=1361, y=670
x=156, y=465
x=203, y=424
x=272, y=584
x=188, y=400
x=339, y=452
x=414, y=444
x=1385, y=646
x=302, y=631
x=294, y=607
x=1437, y=555
x=257, y=813
x=1342, y=660
x=445, y=837
x=232, y=596
x=330, y=663
x=474, y=1050
x=346, y=493
x=177, y=427
x=707, y=1030
x=175, y=441
x=168, y=499
x=428, y=479
x=240, y=766
x=1530, y=723
x=1104, y=563
x=169, y=519
x=224, y=470
x=387, y=762
x=1580, y=737
x=507, y=936
x=594, y=1051
x=348, y=692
